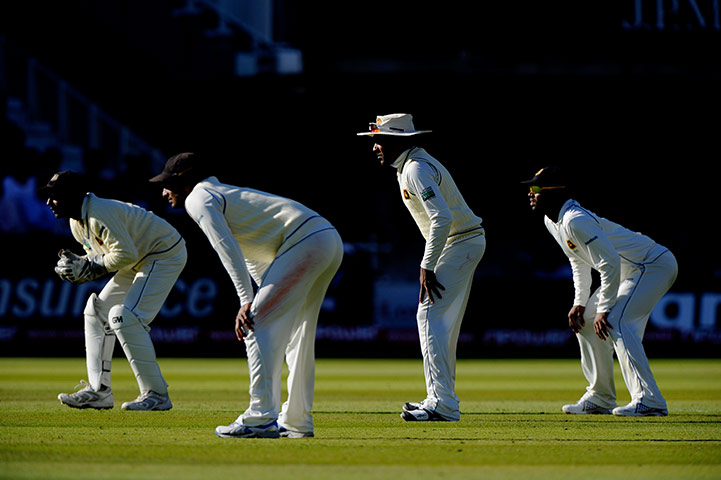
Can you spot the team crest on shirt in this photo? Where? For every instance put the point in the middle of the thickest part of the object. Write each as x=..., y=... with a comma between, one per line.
x=571, y=245
x=406, y=195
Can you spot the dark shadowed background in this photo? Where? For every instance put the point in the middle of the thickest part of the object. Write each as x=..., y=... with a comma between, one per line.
x=624, y=95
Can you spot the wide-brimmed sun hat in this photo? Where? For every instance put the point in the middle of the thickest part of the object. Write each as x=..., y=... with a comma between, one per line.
x=397, y=124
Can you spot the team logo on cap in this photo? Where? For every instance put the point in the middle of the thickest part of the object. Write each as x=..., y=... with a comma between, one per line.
x=406, y=195
x=571, y=245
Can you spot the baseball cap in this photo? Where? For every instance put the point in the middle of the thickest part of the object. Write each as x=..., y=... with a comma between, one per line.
x=397, y=124
x=63, y=184
x=551, y=176
x=175, y=166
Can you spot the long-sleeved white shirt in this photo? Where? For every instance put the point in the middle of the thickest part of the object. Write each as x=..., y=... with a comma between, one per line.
x=123, y=233
x=249, y=228
x=435, y=203
x=592, y=242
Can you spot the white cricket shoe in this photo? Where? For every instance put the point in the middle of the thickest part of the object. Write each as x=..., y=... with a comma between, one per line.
x=638, y=409
x=422, y=415
x=238, y=430
x=88, y=397
x=149, y=401
x=285, y=433
x=585, y=407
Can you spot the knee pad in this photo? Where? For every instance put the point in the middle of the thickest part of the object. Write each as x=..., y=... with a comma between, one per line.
x=92, y=319
x=138, y=347
x=121, y=318
x=90, y=306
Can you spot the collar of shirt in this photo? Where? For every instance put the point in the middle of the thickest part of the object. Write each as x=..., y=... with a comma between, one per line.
x=84, y=206
x=210, y=179
x=403, y=157
x=566, y=206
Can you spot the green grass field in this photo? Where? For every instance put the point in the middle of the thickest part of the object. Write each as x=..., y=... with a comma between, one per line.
x=512, y=426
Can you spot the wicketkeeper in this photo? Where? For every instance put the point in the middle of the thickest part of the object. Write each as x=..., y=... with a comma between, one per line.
x=145, y=254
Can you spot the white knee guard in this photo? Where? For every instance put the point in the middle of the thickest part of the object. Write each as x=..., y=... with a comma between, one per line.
x=138, y=348
x=99, y=345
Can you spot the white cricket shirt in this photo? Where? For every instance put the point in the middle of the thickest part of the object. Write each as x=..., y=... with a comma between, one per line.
x=125, y=234
x=249, y=228
x=592, y=242
x=435, y=203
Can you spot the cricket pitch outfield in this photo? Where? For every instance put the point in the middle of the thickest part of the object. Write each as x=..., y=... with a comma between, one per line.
x=512, y=426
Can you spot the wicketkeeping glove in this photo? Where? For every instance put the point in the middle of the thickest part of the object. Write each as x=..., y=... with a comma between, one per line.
x=76, y=269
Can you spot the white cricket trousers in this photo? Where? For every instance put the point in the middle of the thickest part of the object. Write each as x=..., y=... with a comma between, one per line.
x=285, y=311
x=642, y=286
x=440, y=323
x=142, y=290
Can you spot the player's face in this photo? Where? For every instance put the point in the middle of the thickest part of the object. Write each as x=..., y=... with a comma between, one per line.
x=380, y=154
x=176, y=198
x=386, y=149
x=57, y=207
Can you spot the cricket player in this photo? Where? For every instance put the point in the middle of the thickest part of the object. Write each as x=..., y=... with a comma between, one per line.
x=145, y=254
x=455, y=243
x=635, y=273
x=292, y=254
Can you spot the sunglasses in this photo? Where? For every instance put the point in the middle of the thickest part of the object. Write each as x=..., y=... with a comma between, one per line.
x=375, y=128
x=536, y=189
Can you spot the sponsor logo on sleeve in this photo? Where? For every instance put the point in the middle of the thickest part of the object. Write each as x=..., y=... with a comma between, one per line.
x=428, y=193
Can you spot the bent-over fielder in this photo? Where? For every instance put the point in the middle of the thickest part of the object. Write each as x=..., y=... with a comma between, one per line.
x=292, y=254
x=635, y=273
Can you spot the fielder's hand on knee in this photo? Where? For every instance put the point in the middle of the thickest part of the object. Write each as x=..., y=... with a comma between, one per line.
x=244, y=322
x=601, y=325
x=429, y=286
x=575, y=318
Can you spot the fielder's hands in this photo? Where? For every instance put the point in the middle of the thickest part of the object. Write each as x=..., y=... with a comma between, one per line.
x=429, y=286
x=601, y=325
x=69, y=266
x=244, y=322
x=575, y=318
x=76, y=269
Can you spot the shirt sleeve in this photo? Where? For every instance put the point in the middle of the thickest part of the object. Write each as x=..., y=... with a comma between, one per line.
x=423, y=181
x=598, y=249
x=207, y=211
x=581, y=281
x=122, y=250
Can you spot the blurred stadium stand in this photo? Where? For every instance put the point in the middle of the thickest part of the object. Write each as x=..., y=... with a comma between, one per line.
x=272, y=92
